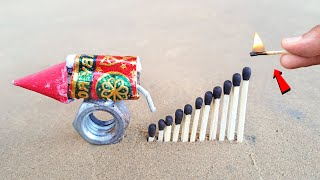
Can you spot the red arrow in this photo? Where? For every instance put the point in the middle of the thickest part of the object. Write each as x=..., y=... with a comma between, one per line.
x=283, y=85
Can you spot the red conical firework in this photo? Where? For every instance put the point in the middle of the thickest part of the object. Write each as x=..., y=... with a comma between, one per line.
x=51, y=82
x=87, y=76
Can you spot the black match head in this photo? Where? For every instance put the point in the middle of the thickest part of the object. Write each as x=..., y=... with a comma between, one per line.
x=199, y=102
x=178, y=116
x=152, y=130
x=161, y=124
x=236, y=79
x=227, y=87
x=246, y=73
x=208, y=98
x=187, y=109
x=253, y=54
x=169, y=120
x=217, y=92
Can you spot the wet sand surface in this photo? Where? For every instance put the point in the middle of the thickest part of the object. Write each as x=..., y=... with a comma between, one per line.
x=187, y=47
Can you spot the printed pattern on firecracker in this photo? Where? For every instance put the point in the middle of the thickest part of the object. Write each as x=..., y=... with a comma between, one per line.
x=104, y=77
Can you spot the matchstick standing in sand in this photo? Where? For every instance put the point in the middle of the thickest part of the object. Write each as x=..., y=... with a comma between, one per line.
x=223, y=123
x=177, y=120
x=186, y=123
x=246, y=73
x=236, y=80
x=205, y=115
x=167, y=130
x=151, y=132
x=195, y=122
x=215, y=116
x=161, y=126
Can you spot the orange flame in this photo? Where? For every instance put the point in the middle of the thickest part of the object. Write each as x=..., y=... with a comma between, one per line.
x=257, y=44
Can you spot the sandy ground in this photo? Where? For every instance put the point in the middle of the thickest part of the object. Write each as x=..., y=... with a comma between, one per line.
x=187, y=47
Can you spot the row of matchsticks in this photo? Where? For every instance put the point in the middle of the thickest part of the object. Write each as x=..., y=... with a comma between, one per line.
x=210, y=112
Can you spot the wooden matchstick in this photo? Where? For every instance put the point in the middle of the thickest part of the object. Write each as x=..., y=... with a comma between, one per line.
x=151, y=132
x=268, y=53
x=214, y=120
x=177, y=120
x=205, y=115
x=223, y=123
x=161, y=125
x=258, y=48
x=167, y=130
x=236, y=80
x=186, y=123
x=195, y=122
x=246, y=73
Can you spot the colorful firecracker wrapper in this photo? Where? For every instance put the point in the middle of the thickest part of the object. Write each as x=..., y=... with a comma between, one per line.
x=104, y=77
x=96, y=77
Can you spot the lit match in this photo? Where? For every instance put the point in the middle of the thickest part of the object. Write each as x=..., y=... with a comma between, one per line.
x=258, y=48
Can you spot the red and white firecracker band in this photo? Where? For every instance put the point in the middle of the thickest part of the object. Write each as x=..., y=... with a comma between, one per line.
x=104, y=77
x=92, y=77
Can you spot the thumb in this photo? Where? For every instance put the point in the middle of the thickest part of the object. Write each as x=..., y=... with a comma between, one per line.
x=307, y=45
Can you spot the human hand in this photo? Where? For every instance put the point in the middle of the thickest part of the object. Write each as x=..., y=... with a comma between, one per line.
x=303, y=50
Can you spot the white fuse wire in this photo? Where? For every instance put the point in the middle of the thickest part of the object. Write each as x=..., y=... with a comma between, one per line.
x=148, y=96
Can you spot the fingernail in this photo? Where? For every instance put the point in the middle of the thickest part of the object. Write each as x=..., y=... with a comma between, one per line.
x=293, y=39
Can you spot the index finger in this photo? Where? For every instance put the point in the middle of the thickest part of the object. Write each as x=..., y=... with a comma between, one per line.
x=307, y=45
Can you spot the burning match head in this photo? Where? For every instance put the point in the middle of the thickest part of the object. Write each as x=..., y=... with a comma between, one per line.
x=199, y=102
x=253, y=54
x=161, y=124
x=217, y=92
x=178, y=116
x=227, y=87
x=187, y=109
x=169, y=120
x=236, y=79
x=208, y=98
x=257, y=44
x=246, y=73
x=152, y=130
